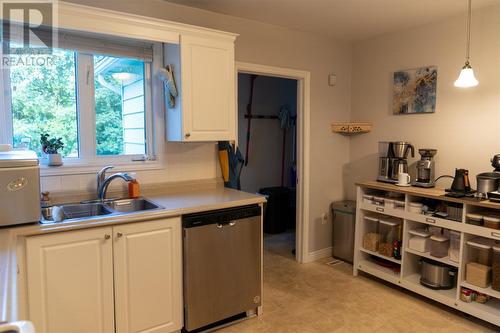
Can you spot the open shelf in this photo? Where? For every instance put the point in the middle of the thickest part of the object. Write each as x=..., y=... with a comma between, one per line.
x=487, y=291
x=411, y=263
x=368, y=266
x=446, y=296
x=376, y=254
x=383, y=210
x=445, y=260
x=488, y=311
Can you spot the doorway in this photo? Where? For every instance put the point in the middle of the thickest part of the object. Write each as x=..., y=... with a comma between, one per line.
x=276, y=103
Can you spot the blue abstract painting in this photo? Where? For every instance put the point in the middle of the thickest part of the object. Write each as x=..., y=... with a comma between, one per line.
x=415, y=91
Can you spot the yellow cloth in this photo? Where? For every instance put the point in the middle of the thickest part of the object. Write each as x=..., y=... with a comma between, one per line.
x=224, y=164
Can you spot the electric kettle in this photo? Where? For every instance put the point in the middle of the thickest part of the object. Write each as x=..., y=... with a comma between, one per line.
x=461, y=182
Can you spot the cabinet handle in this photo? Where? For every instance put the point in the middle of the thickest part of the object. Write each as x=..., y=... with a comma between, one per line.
x=430, y=220
x=119, y=234
x=379, y=209
x=495, y=234
x=107, y=236
x=219, y=226
x=187, y=135
x=232, y=224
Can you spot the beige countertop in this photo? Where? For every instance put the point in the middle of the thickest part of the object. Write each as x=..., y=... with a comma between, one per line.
x=174, y=203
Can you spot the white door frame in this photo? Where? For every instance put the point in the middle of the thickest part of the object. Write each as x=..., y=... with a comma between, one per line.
x=303, y=138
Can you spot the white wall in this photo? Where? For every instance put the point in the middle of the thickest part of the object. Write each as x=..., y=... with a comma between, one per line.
x=466, y=126
x=271, y=45
x=266, y=140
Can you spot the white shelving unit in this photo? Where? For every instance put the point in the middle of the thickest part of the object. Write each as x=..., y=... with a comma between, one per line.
x=406, y=272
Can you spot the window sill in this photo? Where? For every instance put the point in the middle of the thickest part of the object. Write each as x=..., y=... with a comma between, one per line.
x=72, y=168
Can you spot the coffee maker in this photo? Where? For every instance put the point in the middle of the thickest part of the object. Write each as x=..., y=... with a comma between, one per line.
x=385, y=158
x=400, y=150
x=392, y=160
x=425, y=168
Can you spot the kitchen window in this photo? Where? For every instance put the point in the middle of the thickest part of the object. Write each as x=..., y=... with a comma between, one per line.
x=95, y=95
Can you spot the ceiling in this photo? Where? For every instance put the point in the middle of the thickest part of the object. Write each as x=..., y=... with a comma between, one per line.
x=348, y=20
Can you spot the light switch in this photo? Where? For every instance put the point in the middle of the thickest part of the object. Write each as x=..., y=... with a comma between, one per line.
x=332, y=80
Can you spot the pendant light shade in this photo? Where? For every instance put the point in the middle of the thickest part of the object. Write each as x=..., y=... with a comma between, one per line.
x=466, y=79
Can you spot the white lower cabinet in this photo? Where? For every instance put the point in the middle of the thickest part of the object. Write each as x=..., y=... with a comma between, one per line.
x=125, y=278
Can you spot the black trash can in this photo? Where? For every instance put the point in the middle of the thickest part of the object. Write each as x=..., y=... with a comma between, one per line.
x=277, y=213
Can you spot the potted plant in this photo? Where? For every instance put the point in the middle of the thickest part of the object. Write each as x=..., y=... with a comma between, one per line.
x=51, y=147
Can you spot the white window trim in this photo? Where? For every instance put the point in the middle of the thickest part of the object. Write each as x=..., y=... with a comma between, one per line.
x=151, y=160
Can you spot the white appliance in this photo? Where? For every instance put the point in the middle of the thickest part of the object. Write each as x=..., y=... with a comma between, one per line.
x=19, y=187
x=17, y=327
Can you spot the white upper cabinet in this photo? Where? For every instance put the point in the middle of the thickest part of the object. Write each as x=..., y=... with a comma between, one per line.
x=206, y=106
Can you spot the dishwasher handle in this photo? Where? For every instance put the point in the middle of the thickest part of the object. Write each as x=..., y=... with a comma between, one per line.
x=223, y=217
x=222, y=225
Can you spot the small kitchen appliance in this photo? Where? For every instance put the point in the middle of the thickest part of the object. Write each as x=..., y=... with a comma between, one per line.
x=19, y=187
x=222, y=266
x=436, y=275
x=385, y=158
x=461, y=185
x=400, y=150
x=425, y=168
x=487, y=182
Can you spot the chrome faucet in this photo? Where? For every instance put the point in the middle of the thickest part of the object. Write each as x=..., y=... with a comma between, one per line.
x=103, y=181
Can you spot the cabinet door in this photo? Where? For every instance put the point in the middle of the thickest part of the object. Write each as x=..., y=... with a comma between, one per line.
x=70, y=281
x=208, y=89
x=148, y=275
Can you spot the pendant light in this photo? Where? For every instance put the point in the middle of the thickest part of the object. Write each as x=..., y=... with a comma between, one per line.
x=466, y=79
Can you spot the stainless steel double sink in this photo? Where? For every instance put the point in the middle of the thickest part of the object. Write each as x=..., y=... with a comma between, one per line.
x=92, y=209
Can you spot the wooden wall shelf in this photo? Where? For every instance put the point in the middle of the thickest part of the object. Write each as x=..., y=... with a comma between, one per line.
x=350, y=128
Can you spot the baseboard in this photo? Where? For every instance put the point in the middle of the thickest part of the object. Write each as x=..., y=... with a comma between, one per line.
x=319, y=254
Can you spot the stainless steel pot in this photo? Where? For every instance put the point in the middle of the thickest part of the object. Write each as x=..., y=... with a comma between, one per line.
x=487, y=182
x=436, y=275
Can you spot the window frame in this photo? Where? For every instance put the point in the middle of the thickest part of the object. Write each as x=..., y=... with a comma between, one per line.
x=88, y=160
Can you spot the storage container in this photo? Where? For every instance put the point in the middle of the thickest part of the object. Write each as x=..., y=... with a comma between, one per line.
x=454, y=246
x=389, y=231
x=480, y=250
x=379, y=201
x=475, y=219
x=368, y=199
x=492, y=222
x=389, y=203
x=371, y=241
x=439, y=246
x=438, y=231
x=416, y=207
x=420, y=240
x=495, y=281
x=478, y=274
x=454, y=211
x=399, y=204
x=372, y=219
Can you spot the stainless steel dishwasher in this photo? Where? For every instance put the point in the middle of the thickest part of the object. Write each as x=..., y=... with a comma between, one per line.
x=222, y=265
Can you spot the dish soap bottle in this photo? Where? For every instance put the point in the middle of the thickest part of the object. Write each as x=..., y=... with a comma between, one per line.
x=134, y=190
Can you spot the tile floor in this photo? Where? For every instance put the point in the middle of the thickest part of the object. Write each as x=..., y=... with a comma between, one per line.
x=317, y=297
